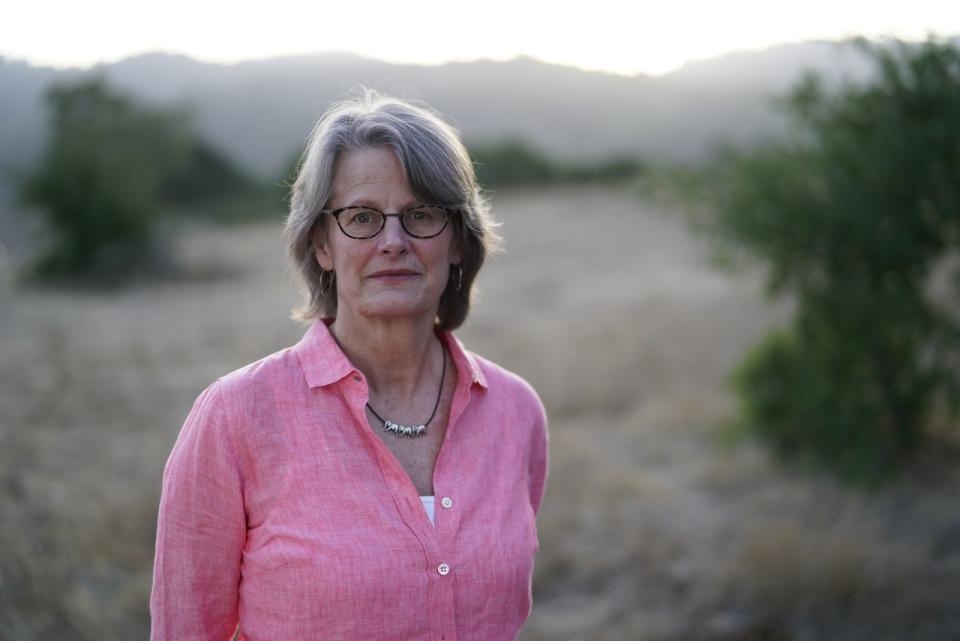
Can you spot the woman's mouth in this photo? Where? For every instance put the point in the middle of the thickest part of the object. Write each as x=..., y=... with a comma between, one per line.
x=394, y=275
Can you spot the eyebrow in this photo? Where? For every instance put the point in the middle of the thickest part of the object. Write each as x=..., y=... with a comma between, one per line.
x=363, y=202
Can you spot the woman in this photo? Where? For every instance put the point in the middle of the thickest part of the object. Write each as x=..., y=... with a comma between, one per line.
x=298, y=501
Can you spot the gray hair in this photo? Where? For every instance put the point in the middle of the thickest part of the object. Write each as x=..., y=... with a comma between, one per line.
x=437, y=167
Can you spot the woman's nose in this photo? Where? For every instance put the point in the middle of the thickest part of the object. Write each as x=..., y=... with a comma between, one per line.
x=393, y=238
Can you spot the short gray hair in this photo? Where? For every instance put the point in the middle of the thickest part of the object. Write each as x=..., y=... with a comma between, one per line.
x=437, y=167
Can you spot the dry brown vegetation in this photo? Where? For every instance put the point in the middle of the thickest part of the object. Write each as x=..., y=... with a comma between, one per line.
x=654, y=527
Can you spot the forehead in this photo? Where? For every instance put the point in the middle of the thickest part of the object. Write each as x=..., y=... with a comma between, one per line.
x=369, y=172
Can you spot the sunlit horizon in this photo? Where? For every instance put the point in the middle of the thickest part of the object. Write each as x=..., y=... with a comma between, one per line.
x=613, y=37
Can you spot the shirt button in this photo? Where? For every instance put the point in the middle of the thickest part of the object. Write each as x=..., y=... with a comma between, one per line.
x=446, y=502
x=443, y=569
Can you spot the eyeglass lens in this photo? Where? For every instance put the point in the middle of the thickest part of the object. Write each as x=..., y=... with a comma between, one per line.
x=365, y=222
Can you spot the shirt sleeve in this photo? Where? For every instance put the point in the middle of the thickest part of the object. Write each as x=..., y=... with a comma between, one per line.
x=539, y=447
x=201, y=531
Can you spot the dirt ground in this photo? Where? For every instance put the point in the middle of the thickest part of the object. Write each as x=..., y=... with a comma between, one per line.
x=653, y=527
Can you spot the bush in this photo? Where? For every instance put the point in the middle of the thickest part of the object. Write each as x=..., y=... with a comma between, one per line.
x=99, y=181
x=205, y=177
x=514, y=164
x=851, y=216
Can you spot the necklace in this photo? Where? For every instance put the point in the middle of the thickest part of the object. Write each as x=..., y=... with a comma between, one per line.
x=408, y=430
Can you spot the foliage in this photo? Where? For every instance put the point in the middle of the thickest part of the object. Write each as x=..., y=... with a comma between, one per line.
x=204, y=177
x=513, y=164
x=101, y=177
x=211, y=187
x=851, y=216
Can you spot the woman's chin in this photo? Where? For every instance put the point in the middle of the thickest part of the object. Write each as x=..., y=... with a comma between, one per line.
x=398, y=306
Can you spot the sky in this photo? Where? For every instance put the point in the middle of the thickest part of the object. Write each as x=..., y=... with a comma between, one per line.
x=624, y=36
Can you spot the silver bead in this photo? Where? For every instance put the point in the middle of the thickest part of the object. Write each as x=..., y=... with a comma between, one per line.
x=404, y=430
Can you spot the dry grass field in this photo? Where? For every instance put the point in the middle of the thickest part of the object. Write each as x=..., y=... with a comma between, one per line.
x=653, y=527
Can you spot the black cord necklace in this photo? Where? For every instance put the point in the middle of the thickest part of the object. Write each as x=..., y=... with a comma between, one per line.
x=419, y=430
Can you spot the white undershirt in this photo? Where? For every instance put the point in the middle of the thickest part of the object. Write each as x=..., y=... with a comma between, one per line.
x=428, y=505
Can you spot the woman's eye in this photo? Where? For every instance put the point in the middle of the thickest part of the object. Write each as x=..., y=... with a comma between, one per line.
x=363, y=217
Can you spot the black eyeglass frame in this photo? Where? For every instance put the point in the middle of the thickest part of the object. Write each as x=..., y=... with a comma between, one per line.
x=447, y=211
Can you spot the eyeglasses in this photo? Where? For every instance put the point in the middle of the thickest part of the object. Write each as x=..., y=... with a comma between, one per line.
x=422, y=221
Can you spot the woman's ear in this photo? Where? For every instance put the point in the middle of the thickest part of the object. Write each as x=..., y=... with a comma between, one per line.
x=320, y=249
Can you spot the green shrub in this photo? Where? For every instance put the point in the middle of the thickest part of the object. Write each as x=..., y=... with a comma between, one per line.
x=850, y=216
x=514, y=163
x=100, y=179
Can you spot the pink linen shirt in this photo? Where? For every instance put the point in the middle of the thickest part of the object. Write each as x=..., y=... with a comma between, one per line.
x=282, y=512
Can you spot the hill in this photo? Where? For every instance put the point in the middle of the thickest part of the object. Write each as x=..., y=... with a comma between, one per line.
x=259, y=112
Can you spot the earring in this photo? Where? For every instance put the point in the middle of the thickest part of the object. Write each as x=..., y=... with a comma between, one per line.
x=327, y=280
x=457, y=276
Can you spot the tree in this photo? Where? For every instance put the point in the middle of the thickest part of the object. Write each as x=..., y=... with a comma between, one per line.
x=851, y=215
x=99, y=181
x=513, y=163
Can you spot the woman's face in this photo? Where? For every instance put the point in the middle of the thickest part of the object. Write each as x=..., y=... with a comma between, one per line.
x=392, y=274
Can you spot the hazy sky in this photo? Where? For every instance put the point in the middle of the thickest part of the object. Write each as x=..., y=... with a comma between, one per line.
x=619, y=36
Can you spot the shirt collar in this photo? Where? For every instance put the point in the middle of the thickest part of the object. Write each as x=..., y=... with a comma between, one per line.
x=324, y=363
x=321, y=358
x=466, y=362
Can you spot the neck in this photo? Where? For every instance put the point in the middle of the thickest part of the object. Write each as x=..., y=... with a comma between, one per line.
x=393, y=354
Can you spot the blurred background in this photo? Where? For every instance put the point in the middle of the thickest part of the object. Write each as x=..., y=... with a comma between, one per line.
x=732, y=273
